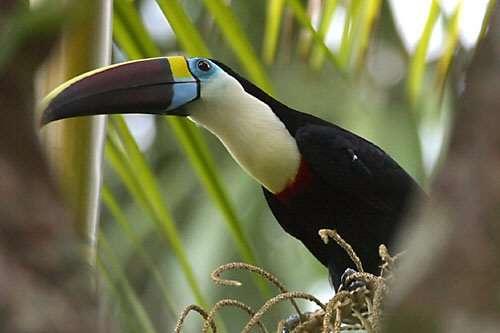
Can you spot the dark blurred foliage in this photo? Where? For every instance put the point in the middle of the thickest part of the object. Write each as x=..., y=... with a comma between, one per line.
x=45, y=284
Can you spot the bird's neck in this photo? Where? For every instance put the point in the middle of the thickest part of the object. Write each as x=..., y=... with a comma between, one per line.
x=256, y=138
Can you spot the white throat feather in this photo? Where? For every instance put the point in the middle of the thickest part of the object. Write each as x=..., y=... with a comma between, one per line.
x=249, y=129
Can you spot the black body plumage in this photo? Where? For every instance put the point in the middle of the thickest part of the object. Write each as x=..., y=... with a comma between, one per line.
x=355, y=188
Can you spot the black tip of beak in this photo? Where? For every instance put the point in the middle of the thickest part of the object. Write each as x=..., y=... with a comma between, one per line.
x=48, y=116
x=145, y=86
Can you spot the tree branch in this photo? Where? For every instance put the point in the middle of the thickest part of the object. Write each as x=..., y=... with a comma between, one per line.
x=450, y=281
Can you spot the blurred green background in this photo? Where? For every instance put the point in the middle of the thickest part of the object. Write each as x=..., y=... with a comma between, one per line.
x=176, y=206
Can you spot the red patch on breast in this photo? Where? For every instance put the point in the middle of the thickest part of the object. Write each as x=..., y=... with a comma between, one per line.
x=298, y=184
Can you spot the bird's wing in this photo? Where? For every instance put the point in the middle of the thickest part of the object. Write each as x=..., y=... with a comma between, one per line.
x=353, y=166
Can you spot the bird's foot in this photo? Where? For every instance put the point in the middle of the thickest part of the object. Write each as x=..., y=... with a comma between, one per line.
x=350, y=284
x=308, y=322
x=290, y=323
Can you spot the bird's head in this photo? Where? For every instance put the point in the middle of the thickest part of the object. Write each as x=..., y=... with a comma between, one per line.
x=206, y=91
x=166, y=86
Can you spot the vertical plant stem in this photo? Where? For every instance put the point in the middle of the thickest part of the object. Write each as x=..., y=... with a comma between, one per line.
x=74, y=146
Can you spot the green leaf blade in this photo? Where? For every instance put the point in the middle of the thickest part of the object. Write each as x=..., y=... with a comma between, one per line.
x=116, y=278
x=418, y=60
x=274, y=13
x=186, y=33
x=301, y=15
x=237, y=40
x=119, y=216
x=451, y=43
x=318, y=53
x=147, y=193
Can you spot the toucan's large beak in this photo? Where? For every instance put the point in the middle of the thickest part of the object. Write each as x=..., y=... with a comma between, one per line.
x=155, y=86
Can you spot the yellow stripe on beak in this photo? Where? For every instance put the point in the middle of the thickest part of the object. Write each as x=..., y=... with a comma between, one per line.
x=179, y=68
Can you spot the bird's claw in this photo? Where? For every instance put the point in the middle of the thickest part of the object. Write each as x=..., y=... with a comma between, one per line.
x=351, y=285
x=290, y=323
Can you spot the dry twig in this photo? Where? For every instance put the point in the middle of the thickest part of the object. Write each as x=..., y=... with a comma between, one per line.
x=332, y=307
x=325, y=234
x=357, y=309
x=210, y=320
x=275, y=300
x=254, y=269
x=186, y=311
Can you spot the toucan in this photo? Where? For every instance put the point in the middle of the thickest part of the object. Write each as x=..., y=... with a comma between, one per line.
x=314, y=174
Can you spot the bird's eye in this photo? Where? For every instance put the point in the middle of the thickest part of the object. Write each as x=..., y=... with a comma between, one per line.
x=204, y=65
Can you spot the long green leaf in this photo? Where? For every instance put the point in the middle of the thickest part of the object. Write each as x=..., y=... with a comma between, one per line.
x=237, y=40
x=119, y=216
x=198, y=154
x=117, y=280
x=486, y=18
x=366, y=21
x=156, y=206
x=351, y=27
x=318, y=53
x=418, y=60
x=123, y=38
x=127, y=13
x=274, y=13
x=358, y=26
x=304, y=41
x=451, y=42
x=301, y=15
x=205, y=167
x=185, y=31
x=120, y=164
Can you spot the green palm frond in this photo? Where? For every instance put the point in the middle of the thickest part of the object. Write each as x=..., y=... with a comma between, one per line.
x=305, y=21
x=451, y=43
x=117, y=280
x=418, y=61
x=147, y=191
x=318, y=53
x=274, y=12
x=186, y=33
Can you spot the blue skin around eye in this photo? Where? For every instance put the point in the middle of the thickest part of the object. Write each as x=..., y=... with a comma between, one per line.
x=193, y=66
x=185, y=92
